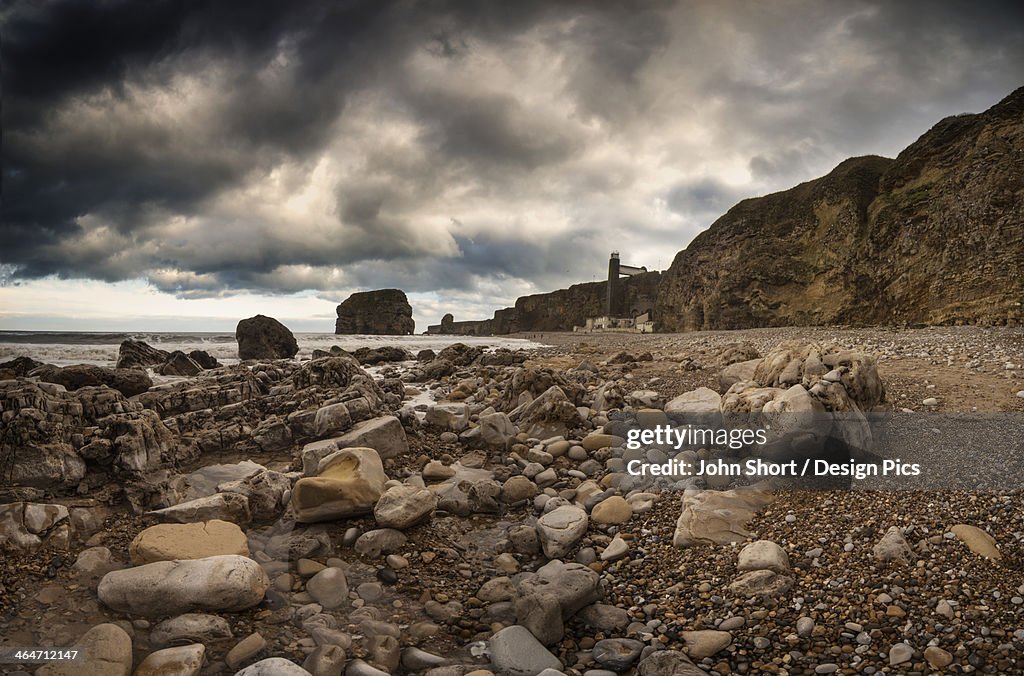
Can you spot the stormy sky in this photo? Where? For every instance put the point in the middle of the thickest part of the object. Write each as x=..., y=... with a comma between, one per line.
x=174, y=164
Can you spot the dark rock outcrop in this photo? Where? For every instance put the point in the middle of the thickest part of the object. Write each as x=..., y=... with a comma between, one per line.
x=263, y=337
x=204, y=359
x=19, y=366
x=179, y=364
x=932, y=237
x=386, y=353
x=380, y=312
x=128, y=382
x=461, y=354
x=136, y=354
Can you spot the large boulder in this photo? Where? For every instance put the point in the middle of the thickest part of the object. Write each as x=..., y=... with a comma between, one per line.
x=106, y=650
x=551, y=414
x=226, y=506
x=573, y=585
x=170, y=541
x=218, y=583
x=717, y=517
x=349, y=482
x=128, y=382
x=262, y=337
x=380, y=312
x=384, y=434
x=25, y=527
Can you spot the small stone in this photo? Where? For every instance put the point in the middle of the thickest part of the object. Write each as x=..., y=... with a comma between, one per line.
x=937, y=657
x=245, y=650
x=369, y=591
x=516, y=652
x=763, y=555
x=612, y=511
x=404, y=506
x=977, y=540
x=273, y=666
x=930, y=401
x=732, y=623
x=189, y=628
x=326, y=659
x=893, y=547
x=308, y=567
x=184, y=660
x=329, y=588
x=615, y=550
x=560, y=529
x=396, y=561
x=900, y=653
x=705, y=642
x=617, y=654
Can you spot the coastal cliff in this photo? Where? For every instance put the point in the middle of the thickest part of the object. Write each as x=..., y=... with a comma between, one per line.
x=932, y=237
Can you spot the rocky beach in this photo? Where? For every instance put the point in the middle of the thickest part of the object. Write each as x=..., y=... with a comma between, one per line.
x=468, y=511
x=377, y=338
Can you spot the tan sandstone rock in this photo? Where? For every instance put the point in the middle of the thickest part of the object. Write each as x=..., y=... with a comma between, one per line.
x=348, y=483
x=170, y=541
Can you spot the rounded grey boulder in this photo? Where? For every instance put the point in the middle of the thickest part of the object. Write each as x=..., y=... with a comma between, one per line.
x=216, y=583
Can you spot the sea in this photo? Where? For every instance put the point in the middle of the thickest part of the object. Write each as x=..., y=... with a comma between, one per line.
x=87, y=347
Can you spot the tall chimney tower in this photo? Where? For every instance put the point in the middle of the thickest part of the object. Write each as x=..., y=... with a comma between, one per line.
x=611, y=305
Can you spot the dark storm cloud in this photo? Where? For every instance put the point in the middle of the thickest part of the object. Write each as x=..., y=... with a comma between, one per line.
x=220, y=146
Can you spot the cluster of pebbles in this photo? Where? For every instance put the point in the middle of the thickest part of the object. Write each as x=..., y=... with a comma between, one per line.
x=477, y=518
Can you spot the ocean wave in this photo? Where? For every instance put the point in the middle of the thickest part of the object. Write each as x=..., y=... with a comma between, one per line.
x=101, y=349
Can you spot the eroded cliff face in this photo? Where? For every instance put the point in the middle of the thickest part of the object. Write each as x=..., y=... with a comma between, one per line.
x=563, y=309
x=935, y=236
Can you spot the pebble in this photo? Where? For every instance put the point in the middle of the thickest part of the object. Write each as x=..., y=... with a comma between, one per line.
x=900, y=653
x=245, y=650
x=329, y=588
x=937, y=657
x=732, y=623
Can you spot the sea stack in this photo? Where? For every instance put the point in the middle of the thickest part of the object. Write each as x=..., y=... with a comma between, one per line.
x=384, y=312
